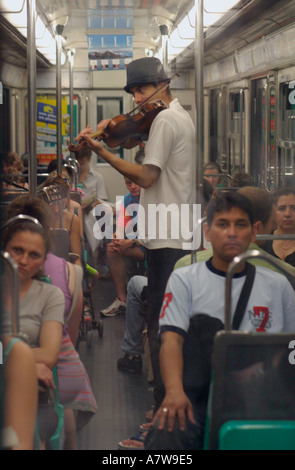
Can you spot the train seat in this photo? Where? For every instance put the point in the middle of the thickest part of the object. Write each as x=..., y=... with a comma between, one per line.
x=252, y=395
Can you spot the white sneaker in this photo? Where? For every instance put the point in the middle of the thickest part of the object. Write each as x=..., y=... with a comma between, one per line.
x=114, y=309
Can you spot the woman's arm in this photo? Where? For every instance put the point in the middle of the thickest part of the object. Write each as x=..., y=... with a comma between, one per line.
x=50, y=343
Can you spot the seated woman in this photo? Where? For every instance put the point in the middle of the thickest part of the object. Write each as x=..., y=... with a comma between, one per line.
x=55, y=191
x=19, y=390
x=75, y=392
x=41, y=305
x=284, y=202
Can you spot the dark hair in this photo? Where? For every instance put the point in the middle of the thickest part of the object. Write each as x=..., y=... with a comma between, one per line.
x=34, y=207
x=284, y=191
x=84, y=152
x=241, y=179
x=224, y=202
x=261, y=200
x=52, y=166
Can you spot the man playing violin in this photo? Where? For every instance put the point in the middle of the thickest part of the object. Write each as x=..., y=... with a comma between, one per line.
x=167, y=179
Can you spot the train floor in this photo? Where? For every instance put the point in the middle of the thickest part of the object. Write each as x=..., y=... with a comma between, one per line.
x=123, y=399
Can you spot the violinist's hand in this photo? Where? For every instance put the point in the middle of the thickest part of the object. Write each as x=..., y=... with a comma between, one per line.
x=93, y=144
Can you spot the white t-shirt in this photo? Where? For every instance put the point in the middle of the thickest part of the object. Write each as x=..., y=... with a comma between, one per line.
x=200, y=288
x=171, y=147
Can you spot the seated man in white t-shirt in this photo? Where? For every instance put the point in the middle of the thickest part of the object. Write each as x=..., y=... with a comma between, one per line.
x=200, y=288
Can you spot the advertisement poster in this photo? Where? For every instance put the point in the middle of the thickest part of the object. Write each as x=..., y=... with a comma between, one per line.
x=46, y=127
x=109, y=51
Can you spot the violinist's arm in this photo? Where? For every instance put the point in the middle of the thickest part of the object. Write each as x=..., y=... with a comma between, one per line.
x=143, y=175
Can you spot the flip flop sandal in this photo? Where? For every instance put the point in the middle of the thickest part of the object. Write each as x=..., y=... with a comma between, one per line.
x=136, y=442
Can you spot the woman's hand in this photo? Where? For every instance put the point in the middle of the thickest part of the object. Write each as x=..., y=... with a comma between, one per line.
x=45, y=375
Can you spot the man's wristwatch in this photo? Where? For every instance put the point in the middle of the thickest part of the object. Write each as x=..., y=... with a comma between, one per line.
x=134, y=244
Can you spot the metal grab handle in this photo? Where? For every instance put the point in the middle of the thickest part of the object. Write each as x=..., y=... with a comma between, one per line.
x=75, y=163
x=15, y=291
x=236, y=262
x=73, y=169
x=282, y=236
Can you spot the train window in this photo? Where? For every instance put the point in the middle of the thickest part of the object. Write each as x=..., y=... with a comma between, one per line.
x=107, y=107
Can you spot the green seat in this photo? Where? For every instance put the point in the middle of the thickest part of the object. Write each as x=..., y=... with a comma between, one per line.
x=257, y=435
x=57, y=438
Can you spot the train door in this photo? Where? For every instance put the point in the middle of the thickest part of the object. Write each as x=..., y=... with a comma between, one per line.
x=286, y=140
x=263, y=148
x=236, y=131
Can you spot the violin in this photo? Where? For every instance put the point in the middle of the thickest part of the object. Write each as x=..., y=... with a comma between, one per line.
x=125, y=130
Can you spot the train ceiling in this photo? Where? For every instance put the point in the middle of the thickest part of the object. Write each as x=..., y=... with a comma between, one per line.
x=237, y=28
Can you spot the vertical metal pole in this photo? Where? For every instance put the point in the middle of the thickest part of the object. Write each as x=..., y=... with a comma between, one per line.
x=71, y=71
x=71, y=95
x=59, y=30
x=199, y=95
x=32, y=116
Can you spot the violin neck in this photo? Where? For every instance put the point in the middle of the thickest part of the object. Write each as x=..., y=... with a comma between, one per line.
x=97, y=133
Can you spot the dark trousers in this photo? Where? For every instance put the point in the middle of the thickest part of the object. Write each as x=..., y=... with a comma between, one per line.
x=160, y=265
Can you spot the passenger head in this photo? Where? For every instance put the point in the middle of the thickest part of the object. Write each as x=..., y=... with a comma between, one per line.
x=211, y=172
x=284, y=200
x=26, y=233
x=132, y=187
x=262, y=204
x=84, y=155
x=27, y=244
x=12, y=163
x=230, y=227
x=241, y=179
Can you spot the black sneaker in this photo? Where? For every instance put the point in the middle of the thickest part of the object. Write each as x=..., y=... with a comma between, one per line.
x=129, y=363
